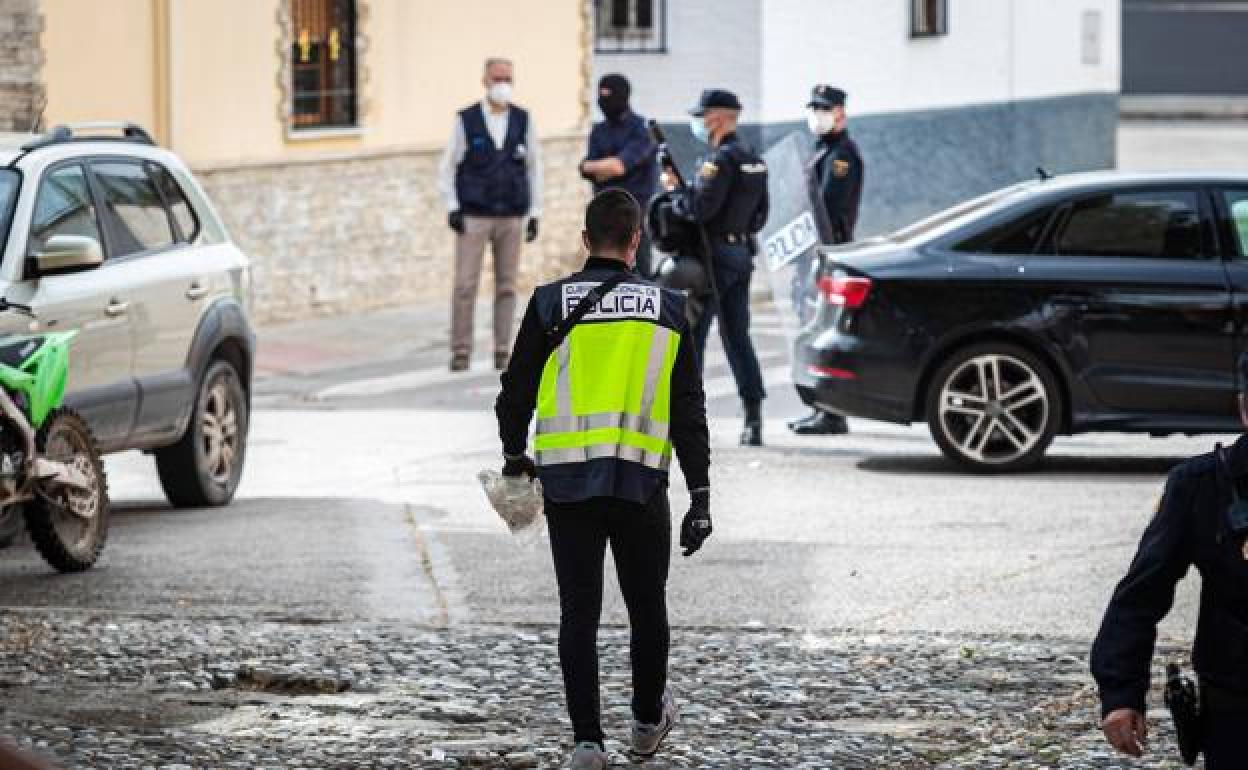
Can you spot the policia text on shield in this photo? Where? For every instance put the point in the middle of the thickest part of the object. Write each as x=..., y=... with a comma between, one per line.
x=614, y=399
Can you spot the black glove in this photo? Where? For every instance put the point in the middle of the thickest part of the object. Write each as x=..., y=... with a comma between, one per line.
x=696, y=527
x=520, y=465
x=531, y=234
x=456, y=220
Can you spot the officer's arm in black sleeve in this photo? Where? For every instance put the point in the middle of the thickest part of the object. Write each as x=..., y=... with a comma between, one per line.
x=690, y=437
x=761, y=212
x=710, y=190
x=1123, y=651
x=518, y=398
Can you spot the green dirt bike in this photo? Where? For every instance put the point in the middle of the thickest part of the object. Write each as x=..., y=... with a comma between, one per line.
x=51, y=473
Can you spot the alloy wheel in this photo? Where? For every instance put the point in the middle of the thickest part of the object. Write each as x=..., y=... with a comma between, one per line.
x=994, y=409
x=219, y=431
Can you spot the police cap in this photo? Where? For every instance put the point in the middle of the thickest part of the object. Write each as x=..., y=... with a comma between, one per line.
x=716, y=97
x=826, y=97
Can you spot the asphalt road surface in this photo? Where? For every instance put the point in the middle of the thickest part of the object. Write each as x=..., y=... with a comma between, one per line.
x=360, y=500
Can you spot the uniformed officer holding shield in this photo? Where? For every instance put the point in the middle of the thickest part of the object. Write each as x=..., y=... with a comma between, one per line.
x=728, y=200
x=834, y=176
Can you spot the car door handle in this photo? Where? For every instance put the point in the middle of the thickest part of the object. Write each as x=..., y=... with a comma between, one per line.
x=116, y=308
x=196, y=292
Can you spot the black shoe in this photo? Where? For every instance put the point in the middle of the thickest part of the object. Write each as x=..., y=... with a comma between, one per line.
x=501, y=360
x=820, y=424
x=752, y=434
x=460, y=362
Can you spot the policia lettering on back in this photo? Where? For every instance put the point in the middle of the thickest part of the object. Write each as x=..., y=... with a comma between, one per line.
x=559, y=332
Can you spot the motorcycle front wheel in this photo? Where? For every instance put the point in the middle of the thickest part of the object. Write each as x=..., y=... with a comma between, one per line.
x=69, y=525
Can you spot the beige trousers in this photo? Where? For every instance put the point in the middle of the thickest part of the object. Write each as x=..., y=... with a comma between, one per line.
x=504, y=236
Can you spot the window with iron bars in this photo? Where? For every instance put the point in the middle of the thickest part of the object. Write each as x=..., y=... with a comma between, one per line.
x=929, y=18
x=322, y=58
x=630, y=26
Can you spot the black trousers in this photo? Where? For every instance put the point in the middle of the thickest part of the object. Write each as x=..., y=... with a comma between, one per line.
x=734, y=332
x=1224, y=739
x=640, y=538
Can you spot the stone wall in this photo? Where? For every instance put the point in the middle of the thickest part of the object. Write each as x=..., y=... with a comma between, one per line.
x=358, y=233
x=21, y=64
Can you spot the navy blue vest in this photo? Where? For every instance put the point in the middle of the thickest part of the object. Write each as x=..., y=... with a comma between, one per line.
x=493, y=181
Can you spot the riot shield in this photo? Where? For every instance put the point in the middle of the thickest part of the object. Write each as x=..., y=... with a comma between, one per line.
x=790, y=240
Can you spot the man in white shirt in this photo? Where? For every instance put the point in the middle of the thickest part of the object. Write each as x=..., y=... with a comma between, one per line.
x=491, y=180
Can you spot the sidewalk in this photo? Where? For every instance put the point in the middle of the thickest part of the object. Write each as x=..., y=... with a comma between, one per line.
x=339, y=342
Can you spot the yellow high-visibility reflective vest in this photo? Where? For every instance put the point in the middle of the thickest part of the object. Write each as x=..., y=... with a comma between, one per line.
x=605, y=392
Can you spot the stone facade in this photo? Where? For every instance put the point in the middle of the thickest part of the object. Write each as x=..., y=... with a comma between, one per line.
x=351, y=234
x=21, y=64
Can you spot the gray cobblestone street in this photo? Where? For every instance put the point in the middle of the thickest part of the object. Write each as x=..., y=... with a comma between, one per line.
x=204, y=692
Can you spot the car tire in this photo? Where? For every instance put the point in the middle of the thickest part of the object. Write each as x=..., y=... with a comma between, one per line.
x=205, y=466
x=994, y=408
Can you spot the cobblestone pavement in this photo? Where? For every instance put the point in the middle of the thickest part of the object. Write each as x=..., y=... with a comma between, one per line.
x=183, y=692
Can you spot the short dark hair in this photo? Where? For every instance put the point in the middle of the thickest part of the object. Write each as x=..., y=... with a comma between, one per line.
x=611, y=219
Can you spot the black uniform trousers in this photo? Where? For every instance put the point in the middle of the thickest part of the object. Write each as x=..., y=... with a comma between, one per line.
x=1224, y=737
x=640, y=537
x=732, y=282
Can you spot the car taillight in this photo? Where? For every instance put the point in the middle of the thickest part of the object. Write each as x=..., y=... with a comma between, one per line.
x=848, y=291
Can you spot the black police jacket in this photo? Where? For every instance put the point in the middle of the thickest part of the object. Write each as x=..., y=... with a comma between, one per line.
x=518, y=399
x=1190, y=528
x=729, y=193
x=836, y=175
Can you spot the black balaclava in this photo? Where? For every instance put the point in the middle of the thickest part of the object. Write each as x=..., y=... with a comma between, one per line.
x=613, y=93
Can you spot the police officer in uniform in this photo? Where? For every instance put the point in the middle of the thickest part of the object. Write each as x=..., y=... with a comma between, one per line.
x=622, y=153
x=729, y=200
x=1195, y=525
x=614, y=399
x=834, y=176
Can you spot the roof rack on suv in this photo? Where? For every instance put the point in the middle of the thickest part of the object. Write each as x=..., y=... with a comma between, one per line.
x=72, y=132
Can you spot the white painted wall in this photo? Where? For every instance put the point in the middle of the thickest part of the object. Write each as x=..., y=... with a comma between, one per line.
x=996, y=50
x=711, y=44
x=772, y=51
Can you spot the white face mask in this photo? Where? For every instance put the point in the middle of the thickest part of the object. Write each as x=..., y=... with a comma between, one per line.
x=820, y=122
x=500, y=93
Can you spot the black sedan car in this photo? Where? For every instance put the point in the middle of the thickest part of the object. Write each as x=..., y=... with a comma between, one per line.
x=1103, y=301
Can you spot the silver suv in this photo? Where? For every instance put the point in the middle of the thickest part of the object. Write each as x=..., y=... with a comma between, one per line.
x=108, y=234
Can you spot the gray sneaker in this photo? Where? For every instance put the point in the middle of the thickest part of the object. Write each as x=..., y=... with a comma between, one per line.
x=588, y=756
x=647, y=739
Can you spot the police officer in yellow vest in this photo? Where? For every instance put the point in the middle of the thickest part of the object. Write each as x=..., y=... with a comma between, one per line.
x=616, y=393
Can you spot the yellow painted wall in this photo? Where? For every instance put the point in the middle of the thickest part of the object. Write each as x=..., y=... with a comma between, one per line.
x=426, y=60
x=423, y=60
x=101, y=61
x=224, y=68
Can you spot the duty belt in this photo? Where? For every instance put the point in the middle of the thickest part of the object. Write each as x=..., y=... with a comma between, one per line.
x=733, y=238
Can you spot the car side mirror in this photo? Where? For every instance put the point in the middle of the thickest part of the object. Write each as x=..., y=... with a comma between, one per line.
x=69, y=254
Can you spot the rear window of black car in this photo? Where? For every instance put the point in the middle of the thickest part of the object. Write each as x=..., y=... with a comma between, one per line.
x=961, y=212
x=1157, y=224
x=1019, y=234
